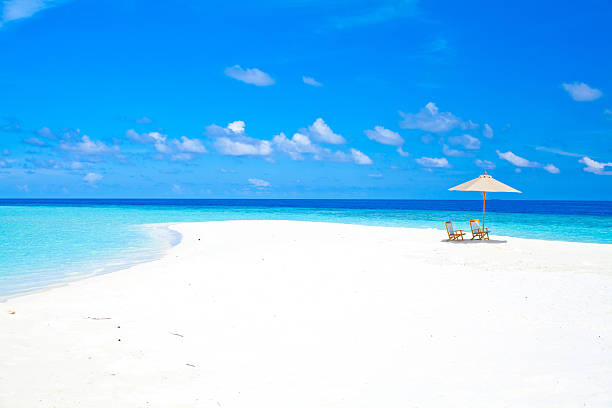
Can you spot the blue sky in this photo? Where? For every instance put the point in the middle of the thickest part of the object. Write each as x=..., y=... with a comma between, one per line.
x=304, y=98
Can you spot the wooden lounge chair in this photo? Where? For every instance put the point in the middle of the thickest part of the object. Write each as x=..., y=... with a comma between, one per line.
x=477, y=232
x=452, y=234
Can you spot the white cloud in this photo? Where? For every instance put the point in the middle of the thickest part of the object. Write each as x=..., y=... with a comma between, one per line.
x=301, y=144
x=487, y=131
x=177, y=189
x=259, y=183
x=250, y=75
x=447, y=151
x=429, y=119
x=219, y=131
x=232, y=141
x=23, y=188
x=467, y=141
x=596, y=167
x=146, y=138
x=469, y=125
x=34, y=141
x=176, y=149
x=252, y=147
x=46, y=132
x=516, y=160
x=144, y=119
x=359, y=157
x=558, y=151
x=321, y=132
x=295, y=147
x=522, y=162
x=402, y=153
x=375, y=175
x=237, y=126
x=353, y=155
x=608, y=113
x=19, y=9
x=579, y=91
x=190, y=145
x=551, y=168
x=485, y=164
x=311, y=81
x=384, y=136
x=89, y=147
x=163, y=148
x=433, y=162
x=157, y=139
x=92, y=178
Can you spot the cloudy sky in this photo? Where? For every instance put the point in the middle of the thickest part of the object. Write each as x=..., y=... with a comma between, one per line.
x=304, y=98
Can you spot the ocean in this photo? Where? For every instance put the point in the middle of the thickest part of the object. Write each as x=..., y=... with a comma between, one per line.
x=49, y=242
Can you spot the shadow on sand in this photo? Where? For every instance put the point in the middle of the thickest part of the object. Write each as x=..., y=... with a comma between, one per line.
x=475, y=241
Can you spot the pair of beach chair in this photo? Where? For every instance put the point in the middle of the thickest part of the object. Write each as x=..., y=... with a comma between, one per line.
x=477, y=232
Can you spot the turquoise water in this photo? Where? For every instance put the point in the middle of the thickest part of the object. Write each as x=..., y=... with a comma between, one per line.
x=51, y=243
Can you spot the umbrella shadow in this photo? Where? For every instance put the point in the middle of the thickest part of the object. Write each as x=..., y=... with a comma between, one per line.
x=476, y=241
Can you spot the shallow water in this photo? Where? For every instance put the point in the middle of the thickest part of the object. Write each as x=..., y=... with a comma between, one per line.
x=46, y=242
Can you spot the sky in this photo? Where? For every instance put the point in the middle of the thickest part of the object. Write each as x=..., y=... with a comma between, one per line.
x=397, y=99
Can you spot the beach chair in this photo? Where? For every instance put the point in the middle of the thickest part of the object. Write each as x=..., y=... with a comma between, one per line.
x=477, y=232
x=452, y=234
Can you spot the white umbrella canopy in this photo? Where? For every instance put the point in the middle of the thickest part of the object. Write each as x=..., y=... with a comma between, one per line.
x=485, y=184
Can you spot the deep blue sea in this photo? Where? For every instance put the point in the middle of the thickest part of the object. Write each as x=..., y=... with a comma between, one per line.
x=49, y=242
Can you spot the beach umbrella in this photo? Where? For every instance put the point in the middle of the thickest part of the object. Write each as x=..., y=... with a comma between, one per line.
x=485, y=184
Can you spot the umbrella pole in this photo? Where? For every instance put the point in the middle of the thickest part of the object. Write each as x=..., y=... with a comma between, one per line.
x=484, y=196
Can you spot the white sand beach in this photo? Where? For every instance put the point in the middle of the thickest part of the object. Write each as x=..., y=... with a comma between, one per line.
x=297, y=314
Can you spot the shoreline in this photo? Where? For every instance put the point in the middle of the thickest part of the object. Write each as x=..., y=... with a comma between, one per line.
x=278, y=313
x=115, y=266
x=159, y=254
